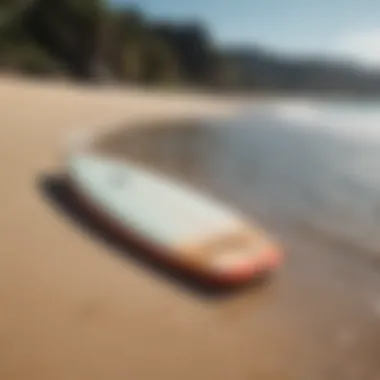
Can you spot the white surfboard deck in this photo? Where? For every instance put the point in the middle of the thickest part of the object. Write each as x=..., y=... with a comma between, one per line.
x=167, y=213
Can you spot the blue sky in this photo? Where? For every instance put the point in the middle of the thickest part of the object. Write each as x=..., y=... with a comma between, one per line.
x=344, y=28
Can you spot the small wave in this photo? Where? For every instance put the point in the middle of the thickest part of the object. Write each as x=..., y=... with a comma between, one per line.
x=352, y=120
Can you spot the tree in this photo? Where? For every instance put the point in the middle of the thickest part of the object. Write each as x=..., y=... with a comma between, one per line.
x=123, y=40
x=68, y=30
x=193, y=47
x=160, y=64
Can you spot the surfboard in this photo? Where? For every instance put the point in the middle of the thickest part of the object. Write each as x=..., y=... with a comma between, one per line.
x=177, y=224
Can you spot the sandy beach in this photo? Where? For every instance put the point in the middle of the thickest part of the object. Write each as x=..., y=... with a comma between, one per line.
x=72, y=309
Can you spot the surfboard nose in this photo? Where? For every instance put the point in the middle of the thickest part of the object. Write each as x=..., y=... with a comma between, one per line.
x=236, y=268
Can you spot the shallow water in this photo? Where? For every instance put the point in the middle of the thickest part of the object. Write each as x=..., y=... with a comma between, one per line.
x=318, y=190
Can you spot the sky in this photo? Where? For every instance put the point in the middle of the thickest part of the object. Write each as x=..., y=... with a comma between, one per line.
x=347, y=29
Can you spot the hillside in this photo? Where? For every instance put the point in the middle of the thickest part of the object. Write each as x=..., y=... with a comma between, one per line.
x=89, y=40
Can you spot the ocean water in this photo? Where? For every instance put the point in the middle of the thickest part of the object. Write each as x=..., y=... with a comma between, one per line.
x=309, y=173
x=323, y=162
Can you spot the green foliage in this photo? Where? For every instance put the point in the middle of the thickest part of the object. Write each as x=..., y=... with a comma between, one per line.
x=31, y=59
x=87, y=37
x=132, y=61
x=160, y=64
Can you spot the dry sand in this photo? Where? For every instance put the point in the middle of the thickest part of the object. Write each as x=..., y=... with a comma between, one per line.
x=70, y=309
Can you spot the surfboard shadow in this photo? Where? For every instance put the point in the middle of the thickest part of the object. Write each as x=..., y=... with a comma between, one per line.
x=55, y=189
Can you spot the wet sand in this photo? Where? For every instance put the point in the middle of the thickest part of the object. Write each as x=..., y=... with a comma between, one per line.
x=75, y=307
